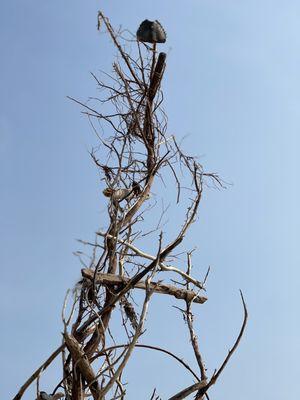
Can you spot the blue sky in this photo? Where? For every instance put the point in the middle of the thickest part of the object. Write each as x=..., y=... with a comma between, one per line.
x=232, y=91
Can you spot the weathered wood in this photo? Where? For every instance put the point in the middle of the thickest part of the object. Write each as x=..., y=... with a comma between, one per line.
x=157, y=75
x=157, y=287
x=80, y=360
x=189, y=390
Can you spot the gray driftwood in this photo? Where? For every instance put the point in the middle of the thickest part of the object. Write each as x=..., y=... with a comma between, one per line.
x=157, y=287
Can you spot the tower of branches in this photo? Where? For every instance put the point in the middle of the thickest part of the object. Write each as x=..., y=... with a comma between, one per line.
x=134, y=152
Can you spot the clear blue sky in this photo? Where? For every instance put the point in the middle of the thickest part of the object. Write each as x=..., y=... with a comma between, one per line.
x=233, y=88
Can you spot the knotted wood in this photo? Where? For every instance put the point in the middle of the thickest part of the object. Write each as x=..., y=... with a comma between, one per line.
x=157, y=287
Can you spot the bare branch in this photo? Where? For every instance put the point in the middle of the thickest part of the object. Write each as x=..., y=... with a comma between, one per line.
x=189, y=390
x=35, y=375
x=235, y=346
x=157, y=287
x=131, y=345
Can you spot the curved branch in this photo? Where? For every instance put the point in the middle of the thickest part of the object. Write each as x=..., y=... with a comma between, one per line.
x=36, y=374
x=235, y=346
x=202, y=386
x=146, y=346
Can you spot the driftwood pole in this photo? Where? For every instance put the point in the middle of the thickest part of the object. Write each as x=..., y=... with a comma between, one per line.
x=135, y=150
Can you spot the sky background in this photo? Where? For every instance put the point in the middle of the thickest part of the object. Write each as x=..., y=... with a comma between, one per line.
x=233, y=92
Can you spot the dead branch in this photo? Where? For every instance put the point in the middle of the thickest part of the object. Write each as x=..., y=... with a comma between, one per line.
x=235, y=346
x=35, y=375
x=157, y=287
x=131, y=346
x=203, y=388
x=146, y=346
x=163, y=266
x=189, y=390
x=83, y=365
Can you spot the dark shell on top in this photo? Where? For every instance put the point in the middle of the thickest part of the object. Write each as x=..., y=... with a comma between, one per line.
x=151, y=32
